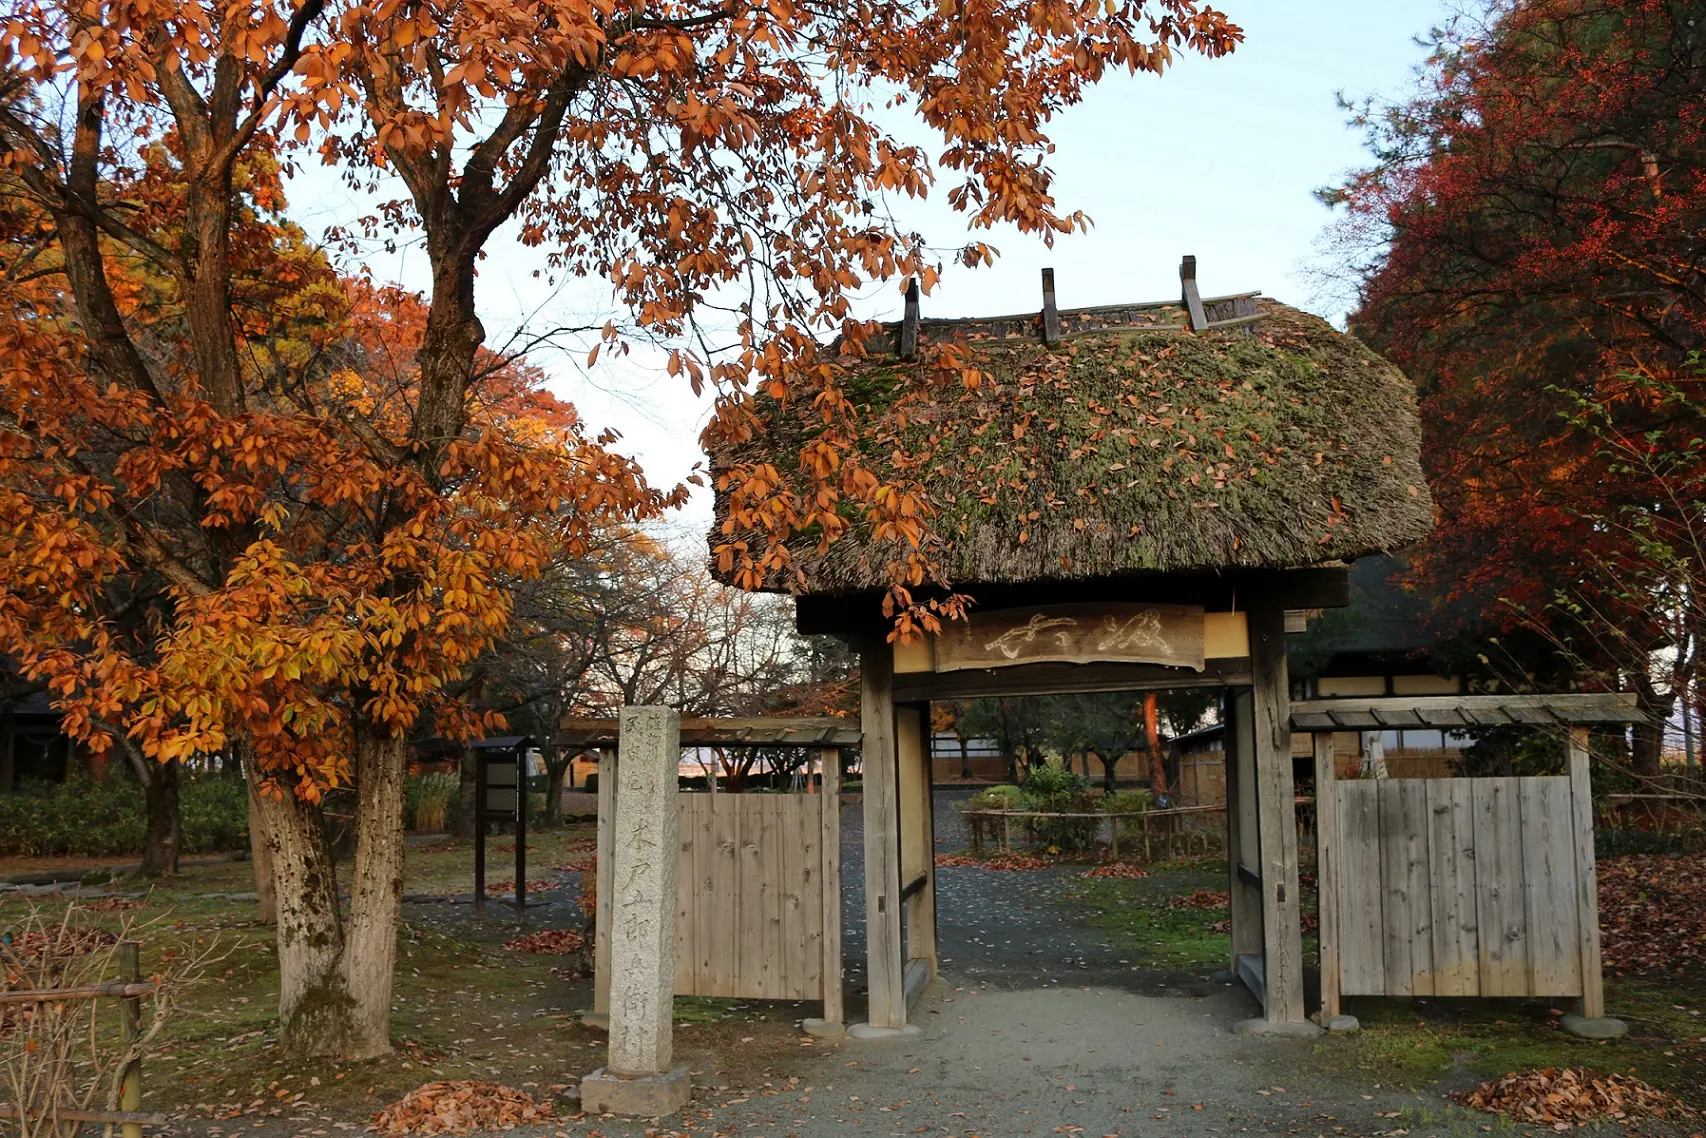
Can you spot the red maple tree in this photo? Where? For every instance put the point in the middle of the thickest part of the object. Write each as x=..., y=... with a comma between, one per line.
x=1532, y=239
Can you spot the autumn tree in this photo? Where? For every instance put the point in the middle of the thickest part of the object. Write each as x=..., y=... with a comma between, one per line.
x=337, y=558
x=1527, y=244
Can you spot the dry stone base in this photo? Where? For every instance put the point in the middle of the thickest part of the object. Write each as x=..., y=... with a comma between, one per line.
x=645, y=1096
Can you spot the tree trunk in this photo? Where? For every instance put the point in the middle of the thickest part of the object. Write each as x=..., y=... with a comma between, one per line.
x=335, y=989
x=260, y=854
x=556, y=768
x=965, y=760
x=163, y=837
x=1109, y=762
x=1649, y=746
x=467, y=770
x=1152, y=743
x=313, y=1001
x=376, y=897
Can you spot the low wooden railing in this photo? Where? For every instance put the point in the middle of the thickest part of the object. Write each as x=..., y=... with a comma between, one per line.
x=130, y=988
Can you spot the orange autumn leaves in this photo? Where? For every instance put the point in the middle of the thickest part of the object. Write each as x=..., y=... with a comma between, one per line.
x=365, y=586
x=244, y=498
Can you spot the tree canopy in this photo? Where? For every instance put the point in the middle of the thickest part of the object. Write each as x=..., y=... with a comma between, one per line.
x=1528, y=241
x=331, y=505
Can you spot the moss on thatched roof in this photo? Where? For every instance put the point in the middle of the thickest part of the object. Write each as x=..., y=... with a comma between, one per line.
x=1126, y=449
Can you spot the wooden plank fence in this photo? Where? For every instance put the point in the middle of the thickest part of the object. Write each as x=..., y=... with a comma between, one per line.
x=1460, y=887
x=758, y=894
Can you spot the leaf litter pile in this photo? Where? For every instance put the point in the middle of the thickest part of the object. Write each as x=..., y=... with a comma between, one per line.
x=1021, y=863
x=1652, y=912
x=459, y=1108
x=1115, y=869
x=548, y=942
x=1571, y=1096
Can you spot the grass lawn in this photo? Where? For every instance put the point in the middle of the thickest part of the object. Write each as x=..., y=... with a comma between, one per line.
x=465, y=1006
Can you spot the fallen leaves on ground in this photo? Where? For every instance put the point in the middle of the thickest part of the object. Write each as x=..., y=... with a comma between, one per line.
x=576, y=865
x=1201, y=899
x=113, y=904
x=1560, y=1098
x=459, y=1108
x=534, y=885
x=548, y=942
x=1011, y=862
x=1652, y=912
x=1116, y=869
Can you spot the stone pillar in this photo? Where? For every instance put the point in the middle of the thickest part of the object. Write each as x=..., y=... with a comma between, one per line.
x=637, y=1078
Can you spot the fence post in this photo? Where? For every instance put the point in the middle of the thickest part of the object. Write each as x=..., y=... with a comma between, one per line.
x=130, y=1090
x=1581, y=802
x=1327, y=873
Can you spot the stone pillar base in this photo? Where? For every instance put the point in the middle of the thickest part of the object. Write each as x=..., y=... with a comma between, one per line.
x=643, y=1096
x=1601, y=1027
x=866, y=1032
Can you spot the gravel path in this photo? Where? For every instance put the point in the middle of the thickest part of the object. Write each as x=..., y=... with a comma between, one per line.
x=1037, y=1026
x=1001, y=929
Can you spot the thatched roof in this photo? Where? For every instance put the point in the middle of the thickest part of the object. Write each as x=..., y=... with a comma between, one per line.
x=1133, y=444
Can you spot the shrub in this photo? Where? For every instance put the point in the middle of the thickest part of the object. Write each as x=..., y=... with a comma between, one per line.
x=1125, y=802
x=1004, y=797
x=432, y=802
x=1050, y=785
x=215, y=813
x=83, y=818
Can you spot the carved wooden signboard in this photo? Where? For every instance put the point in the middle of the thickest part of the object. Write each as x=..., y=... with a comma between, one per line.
x=1076, y=634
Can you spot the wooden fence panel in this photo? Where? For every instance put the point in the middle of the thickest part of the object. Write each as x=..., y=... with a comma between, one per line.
x=749, y=901
x=1362, y=947
x=1549, y=884
x=1405, y=892
x=1500, y=912
x=1451, y=875
x=1460, y=887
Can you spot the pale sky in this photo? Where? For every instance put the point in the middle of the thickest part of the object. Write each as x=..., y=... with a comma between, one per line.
x=1216, y=158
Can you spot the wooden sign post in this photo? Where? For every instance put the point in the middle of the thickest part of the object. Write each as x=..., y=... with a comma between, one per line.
x=500, y=795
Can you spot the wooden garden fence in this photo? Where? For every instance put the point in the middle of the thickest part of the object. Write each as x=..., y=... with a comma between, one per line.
x=130, y=987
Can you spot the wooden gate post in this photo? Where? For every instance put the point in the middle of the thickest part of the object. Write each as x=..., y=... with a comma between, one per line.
x=884, y=969
x=829, y=761
x=1242, y=847
x=1327, y=873
x=917, y=847
x=1587, y=880
x=1282, y=930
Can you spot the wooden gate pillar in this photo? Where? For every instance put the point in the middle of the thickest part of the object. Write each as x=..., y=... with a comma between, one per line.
x=1282, y=930
x=917, y=845
x=885, y=973
x=1243, y=849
